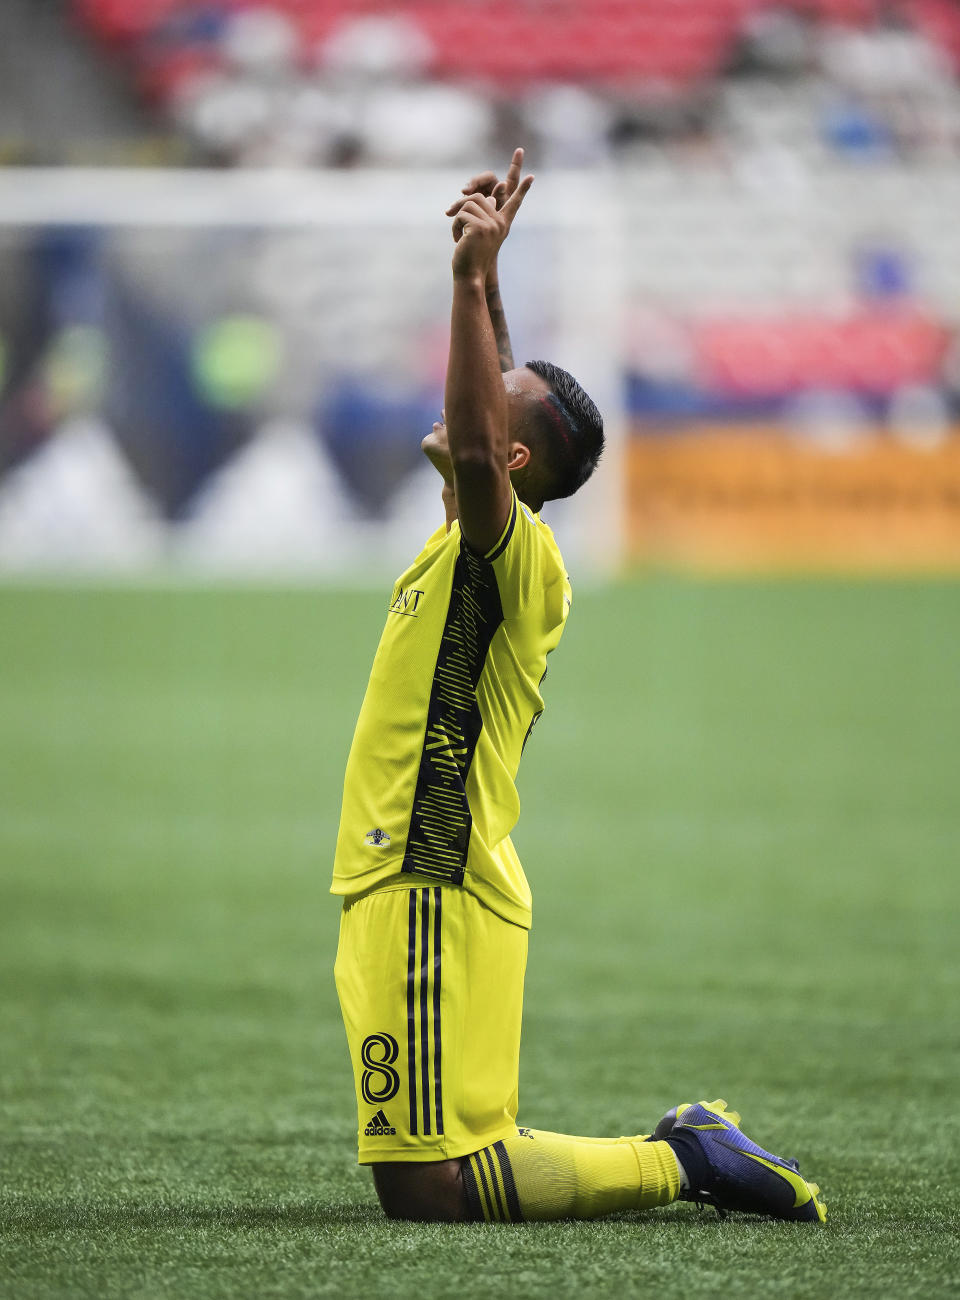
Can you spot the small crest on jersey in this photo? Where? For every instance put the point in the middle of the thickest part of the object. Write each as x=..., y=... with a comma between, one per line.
x=378, y=838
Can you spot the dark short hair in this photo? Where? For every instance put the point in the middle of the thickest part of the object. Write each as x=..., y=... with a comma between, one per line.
x=570, y=432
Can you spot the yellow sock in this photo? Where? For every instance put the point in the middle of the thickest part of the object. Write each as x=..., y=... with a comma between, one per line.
x=603, y=1142
x=537, y=1176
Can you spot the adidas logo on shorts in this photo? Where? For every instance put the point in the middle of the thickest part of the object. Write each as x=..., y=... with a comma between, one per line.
x=379, y=1127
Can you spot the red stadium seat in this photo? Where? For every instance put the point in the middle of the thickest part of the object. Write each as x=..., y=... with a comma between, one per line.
x=873, y=351
x=120, y=22
x=939, y=20
x=608, y=41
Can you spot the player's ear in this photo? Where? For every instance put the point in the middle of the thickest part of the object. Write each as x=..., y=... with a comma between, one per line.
x=519, y=455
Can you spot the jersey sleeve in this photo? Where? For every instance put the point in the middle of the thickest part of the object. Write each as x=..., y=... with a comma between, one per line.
x=528, y=567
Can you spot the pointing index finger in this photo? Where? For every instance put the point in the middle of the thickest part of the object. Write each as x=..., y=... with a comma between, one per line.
x=513, y=171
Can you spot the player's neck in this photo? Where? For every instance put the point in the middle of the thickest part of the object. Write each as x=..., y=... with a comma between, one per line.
x=449, y=504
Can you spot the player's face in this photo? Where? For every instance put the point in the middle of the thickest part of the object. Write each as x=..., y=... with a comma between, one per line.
x=523, y=387
x=436, y=447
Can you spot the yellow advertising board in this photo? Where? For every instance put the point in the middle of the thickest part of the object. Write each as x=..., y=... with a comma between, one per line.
x=756, y=499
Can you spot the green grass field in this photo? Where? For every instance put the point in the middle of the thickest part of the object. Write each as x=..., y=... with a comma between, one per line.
x=742, y=828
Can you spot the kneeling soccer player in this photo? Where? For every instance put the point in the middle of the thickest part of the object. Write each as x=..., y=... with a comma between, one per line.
x=433, y=937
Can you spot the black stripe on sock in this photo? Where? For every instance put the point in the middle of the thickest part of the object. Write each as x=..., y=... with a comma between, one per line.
x=474, y=1203
x=509, y=1186
x=437, y=1075
x=483, y=1185
x=501, y=1212
x=412, y=1012
x=424, y=990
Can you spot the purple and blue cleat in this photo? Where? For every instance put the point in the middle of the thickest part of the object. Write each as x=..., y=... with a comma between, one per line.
x=728, y=1171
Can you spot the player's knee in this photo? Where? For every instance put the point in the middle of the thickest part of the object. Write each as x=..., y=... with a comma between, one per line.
x=424, y=1193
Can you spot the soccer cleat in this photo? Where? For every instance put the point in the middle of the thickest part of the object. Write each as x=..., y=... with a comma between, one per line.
x=665, y=1126
x=728, y=1171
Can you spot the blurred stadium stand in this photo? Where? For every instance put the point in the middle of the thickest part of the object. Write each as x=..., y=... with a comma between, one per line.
x=60, y=100
x=355, y=81
x=783, y=181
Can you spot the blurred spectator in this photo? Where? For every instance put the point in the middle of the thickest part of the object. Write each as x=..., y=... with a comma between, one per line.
x=402, y=117
x=223, y=114
x=895, y=85
x=567, y=126
x=260, y=43
x=889, y=59
x=382, y=45
x=855, y=130
x=882, y=270
x=775, y=42
x=682, y=126
x=424, y=124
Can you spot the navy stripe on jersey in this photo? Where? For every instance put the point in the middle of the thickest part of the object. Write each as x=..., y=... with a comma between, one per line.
x=501, y=546
x=438, y=837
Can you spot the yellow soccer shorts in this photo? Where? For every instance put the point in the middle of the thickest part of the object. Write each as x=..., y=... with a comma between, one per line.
x=431, y=989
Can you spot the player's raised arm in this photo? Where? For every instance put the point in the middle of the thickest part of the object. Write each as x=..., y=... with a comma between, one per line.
x=475, y=400
x=487, y=183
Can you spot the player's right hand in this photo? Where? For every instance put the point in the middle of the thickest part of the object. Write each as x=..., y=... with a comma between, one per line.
x=487, y=184
x=480, y=227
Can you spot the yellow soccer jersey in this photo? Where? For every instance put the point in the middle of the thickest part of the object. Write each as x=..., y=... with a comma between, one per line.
x=429, y=793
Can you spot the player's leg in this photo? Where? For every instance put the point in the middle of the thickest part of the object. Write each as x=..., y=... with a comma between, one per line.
x=426, y=1193
x=431, y=985
x=540, y=1176
x=533, y=1176
x=431, y=989
x=717, y=1164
